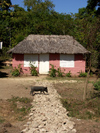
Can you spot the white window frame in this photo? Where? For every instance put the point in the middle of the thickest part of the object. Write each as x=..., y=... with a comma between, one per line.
x=67, y=61
x=30, y=59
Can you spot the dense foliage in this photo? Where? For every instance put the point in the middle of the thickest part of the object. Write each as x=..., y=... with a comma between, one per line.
x=33, y=70
x=40, y=18
x=97, y=85
x=94, y=5
x=16, y=71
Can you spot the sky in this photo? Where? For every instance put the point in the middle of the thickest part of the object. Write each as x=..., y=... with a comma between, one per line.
x=61, y=6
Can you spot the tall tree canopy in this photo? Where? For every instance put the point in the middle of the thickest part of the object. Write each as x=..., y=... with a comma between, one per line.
x=39, y=5
x=5, y=4
x=94, y=5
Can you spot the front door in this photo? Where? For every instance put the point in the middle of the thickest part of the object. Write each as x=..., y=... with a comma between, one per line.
x=44, y=64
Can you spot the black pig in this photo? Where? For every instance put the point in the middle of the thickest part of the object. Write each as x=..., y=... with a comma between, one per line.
x=38, y=88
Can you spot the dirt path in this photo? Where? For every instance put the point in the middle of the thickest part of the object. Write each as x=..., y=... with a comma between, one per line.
x=47, y=114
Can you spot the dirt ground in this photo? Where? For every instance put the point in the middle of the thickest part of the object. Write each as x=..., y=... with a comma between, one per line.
x=86, y=126
x=21, y=87
x=17, y=87
x=74, y=91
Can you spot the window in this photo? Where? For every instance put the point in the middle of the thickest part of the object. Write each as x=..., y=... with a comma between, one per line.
x=30, y=59
x=66, y=60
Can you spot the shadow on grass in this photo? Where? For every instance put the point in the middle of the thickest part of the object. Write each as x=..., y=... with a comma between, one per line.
x=3, y=74
x=2, y=66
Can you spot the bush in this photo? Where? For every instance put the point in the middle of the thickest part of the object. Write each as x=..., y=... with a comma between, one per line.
x=33, y=70
x=82, y=74
x=52, y=71
x=16, y=71
x=68, y=74
x=97, y=86
x=59, y=72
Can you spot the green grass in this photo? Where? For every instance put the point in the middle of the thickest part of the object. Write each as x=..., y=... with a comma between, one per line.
x=22, y=99
x=66, y=78
x=89, y=109
x=72, y=100
x=2, y=120
x=23, y=108
x=59, y=78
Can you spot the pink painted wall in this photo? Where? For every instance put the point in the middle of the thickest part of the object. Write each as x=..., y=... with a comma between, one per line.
x=19, y=59
x=54, y=60
x=78, y=66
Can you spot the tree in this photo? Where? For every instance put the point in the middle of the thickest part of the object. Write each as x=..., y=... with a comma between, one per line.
x=39, y=5
x=94, y=5
x=87, y=31
x=82, y=13
x=5, y=4
x=5, y=21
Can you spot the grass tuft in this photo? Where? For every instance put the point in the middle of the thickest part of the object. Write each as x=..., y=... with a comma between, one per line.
x=72, y=100
x=2, y=120
x=21, y=106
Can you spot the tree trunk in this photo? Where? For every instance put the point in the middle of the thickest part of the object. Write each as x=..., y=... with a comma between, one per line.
x=85, y=89
x=87, y=79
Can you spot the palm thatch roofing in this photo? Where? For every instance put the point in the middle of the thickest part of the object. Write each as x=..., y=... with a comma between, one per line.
x=37, y=44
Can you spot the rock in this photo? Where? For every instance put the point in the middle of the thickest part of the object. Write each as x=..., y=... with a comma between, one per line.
x=74, y=130
x=28, y=123
x=42, y=130
x=35, y=125
x=24, y=130
x=31, y=114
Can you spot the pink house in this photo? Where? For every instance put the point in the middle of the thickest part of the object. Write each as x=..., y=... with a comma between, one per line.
x=42, y=50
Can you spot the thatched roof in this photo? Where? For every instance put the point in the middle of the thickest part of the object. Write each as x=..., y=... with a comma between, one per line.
x=37, y=44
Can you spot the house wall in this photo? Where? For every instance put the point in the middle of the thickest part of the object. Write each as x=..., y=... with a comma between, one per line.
x=19, y=59
x=54, y=59
x=79, y=63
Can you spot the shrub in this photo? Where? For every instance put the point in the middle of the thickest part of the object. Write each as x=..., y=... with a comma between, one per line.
x=68, y=74
x=97, y=86
x=82, y=74
x=33, y=70
x=59, y=72
x=52, y=71
x=16, y=71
